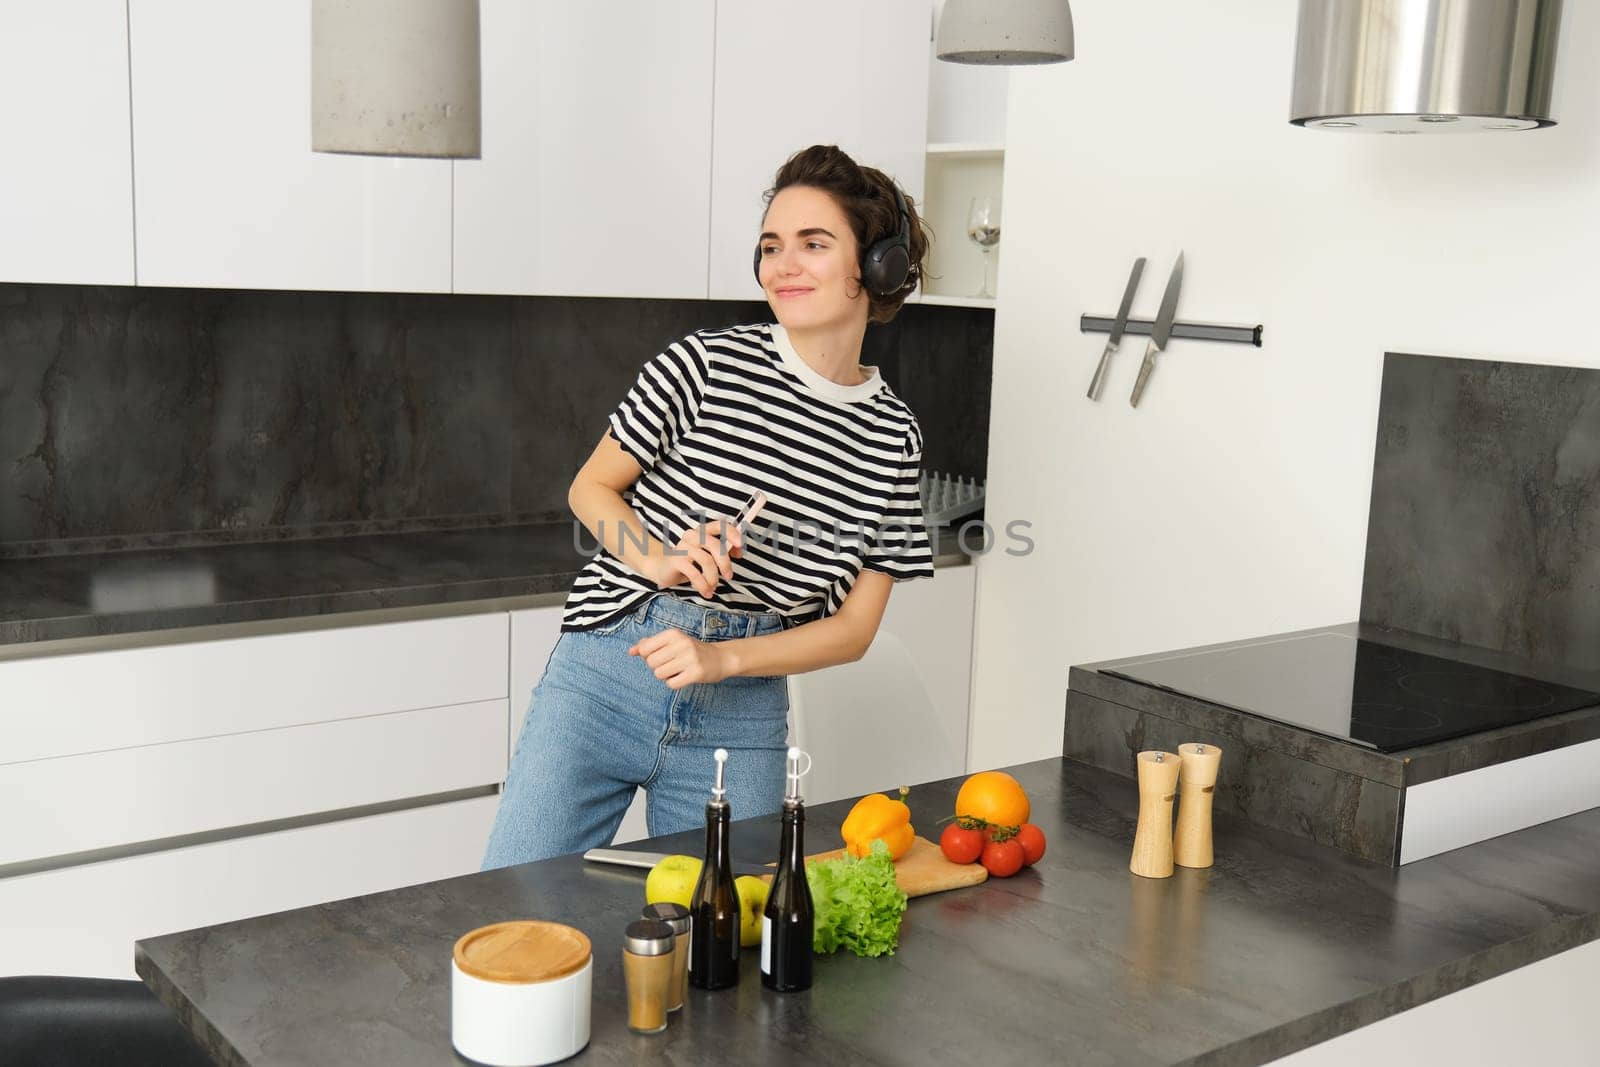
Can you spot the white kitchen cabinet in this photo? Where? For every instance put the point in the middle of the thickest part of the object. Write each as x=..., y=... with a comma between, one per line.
x=66, y=184
x=218, y=783
x=85, y=919
x=113, y=761
x=596, y=151
x=228, y=193
x=788, y=76
x=96, y=701
x=205, y=736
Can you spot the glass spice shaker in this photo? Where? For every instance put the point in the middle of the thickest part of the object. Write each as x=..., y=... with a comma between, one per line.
x=677, y=917
x=647, y=970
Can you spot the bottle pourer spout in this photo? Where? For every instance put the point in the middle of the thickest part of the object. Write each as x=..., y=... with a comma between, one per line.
x=718, y=792
x=795, y=771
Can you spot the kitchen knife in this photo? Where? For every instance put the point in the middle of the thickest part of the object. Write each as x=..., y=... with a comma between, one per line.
x=1161, y=331
x=1099, y=379
x=646, y=860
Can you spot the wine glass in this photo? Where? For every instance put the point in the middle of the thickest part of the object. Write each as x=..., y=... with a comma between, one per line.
x=983, y=226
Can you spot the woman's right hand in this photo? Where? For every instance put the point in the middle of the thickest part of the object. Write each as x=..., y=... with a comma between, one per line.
x=703, y=557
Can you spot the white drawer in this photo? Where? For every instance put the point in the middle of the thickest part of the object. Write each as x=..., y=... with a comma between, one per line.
x=97, y=701
x=84, y=920
x=104, y=799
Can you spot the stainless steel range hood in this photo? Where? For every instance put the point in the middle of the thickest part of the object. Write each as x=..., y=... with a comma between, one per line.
x=1425, y=66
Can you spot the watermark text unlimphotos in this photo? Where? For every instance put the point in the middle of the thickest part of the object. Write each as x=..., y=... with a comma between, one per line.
x=888, y=540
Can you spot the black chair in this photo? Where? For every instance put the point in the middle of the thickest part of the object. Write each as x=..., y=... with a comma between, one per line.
x=90, y=1022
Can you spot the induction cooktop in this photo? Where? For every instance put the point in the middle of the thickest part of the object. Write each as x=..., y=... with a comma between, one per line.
x=1372, y=694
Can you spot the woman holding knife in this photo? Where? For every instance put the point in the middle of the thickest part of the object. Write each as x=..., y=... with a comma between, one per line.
x=678, y=635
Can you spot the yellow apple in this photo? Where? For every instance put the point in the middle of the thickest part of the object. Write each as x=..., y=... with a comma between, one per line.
x=752, y=902
x=672, y=881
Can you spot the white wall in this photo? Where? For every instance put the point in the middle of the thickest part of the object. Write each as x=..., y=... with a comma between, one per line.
x=1233, y=502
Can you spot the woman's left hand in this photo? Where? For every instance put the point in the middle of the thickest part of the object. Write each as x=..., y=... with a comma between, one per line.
x=680, y=660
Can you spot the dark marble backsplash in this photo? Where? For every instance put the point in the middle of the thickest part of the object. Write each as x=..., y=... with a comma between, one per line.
x=1485, y=521
x=134, y=416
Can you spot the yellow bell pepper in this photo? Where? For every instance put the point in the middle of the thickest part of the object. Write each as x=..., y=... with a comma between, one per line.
x=876, y=817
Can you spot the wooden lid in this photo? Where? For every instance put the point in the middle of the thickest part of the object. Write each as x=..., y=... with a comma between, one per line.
x=522, y=952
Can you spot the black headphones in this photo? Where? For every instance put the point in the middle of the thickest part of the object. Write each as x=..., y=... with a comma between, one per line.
x=886, y=268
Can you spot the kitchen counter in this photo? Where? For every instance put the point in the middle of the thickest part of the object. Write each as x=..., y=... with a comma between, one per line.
x=52, y=598
x=1296, y=779
x=1279, y=946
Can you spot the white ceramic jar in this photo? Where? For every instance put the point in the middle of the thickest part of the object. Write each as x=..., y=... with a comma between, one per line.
x=519, y=993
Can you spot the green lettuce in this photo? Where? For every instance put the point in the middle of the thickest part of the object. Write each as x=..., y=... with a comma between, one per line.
x=857, y=904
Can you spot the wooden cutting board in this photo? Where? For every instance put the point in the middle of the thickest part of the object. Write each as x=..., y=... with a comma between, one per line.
x=924, y=869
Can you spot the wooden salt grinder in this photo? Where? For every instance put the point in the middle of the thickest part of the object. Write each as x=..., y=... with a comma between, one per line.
x=1192, y=837
x=1191, y=842
x=1152, y=840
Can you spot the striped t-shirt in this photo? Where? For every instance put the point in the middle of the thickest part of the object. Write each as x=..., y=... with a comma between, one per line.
x=725, y=413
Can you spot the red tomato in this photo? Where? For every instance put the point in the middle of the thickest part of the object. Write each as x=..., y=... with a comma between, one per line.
x=961, y=845
x=1003, y=858
x=1031, y=838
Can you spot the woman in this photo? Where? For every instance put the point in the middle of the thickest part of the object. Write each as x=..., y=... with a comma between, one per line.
x=677, y=636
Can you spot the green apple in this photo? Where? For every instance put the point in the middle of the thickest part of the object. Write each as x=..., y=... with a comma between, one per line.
x=752, y=902
x=672, y=881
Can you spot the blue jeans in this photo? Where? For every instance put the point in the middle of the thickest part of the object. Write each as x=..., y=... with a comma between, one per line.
x=601, y=724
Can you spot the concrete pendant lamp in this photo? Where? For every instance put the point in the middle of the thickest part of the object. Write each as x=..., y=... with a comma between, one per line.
x=396, y=78
x=1005, y=32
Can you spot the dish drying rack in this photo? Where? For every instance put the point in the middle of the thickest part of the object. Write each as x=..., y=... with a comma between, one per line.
x=946, y=498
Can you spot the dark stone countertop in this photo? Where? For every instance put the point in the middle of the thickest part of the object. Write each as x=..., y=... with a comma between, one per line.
x=1280, y=945
x=55, y=597
x=51, y=598
x=1403, y=767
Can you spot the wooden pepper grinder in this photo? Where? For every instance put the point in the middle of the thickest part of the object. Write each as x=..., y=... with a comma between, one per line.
x=1152, y=840
x=1191, y=842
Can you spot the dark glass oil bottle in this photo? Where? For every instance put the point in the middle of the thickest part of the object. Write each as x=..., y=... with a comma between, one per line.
x=787, y=923
x=714, y=908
